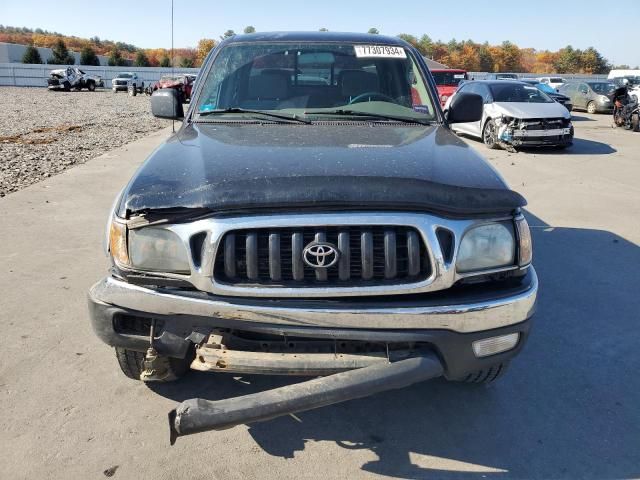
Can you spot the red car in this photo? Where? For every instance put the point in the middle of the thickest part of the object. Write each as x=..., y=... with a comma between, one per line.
x=447, y=81
x=181, y=82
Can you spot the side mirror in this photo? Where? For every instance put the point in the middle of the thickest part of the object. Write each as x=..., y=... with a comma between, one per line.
x=165, y=103
x=465, y=107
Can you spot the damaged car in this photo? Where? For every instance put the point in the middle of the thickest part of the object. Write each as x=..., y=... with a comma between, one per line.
x=314, y=215
x=516, y=114
x=72, y=77
x=182, y=84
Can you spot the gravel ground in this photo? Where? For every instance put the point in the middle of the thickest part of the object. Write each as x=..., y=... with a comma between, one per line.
x=43, y=133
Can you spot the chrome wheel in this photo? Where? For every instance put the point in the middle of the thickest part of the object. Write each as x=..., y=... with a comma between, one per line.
x=490, y=135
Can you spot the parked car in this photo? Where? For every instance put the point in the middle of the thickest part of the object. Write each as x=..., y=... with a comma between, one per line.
x=553, y=82
x=72, y=77
x=277, y=232
x=183, y=84
x=516, y=114
x=591, y=96
x=552, y=92
x=502, y=76
x=447, y=81
x=124, y=80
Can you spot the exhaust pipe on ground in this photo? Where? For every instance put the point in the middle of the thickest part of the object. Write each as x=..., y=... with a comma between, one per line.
x=198, y=415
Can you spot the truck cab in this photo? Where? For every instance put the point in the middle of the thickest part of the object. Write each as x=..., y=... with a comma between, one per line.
x=447, y=81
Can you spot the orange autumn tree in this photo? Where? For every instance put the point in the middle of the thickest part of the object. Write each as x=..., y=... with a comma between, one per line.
x=466, y=54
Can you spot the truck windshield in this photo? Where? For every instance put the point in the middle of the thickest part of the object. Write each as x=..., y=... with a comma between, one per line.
x=308, y=77
x=449, y=79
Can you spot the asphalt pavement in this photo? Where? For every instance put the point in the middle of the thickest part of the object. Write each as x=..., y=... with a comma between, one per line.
x=566, y=409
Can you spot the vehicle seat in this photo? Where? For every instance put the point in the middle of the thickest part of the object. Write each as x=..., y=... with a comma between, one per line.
x=355, y=82
x=266, y=90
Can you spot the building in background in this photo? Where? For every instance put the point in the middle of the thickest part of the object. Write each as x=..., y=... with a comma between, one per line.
x=13, y=53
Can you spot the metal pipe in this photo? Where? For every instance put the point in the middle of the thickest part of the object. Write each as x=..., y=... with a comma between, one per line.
x=198, y=415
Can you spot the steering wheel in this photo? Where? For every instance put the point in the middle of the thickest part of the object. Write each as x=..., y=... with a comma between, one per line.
x=367, y=96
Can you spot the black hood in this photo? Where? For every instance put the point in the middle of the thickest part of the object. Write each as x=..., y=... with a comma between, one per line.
x=225, y=167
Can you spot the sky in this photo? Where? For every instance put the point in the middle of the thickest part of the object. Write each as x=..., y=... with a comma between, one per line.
x=540, y=24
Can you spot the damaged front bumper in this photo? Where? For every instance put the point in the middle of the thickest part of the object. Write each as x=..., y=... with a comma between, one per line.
x=534, y=132
x=314, y=337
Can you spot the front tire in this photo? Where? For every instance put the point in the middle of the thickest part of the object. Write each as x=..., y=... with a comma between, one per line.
x=591, y=107
x=635, y=122
x=132, y=363
x=490, y=135
x=91, y=86
x=486, y=375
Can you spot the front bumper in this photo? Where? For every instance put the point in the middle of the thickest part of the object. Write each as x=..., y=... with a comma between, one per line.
x=448, y=322
x=537, y=138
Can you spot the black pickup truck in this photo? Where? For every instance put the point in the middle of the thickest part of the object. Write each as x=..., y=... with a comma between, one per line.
x=314, y=215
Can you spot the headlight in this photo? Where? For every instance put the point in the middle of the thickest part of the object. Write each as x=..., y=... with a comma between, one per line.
x=159, y=250
x=486, y=247
x=604, y=98
x=118, y=243
x=525, y=250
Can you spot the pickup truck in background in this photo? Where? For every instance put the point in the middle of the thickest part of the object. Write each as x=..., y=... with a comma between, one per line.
x=447, y=82
x=125, y=81
x=72, y=77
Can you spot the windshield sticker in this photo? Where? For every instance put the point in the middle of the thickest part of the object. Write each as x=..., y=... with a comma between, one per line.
x=458, y=75
x=379, y=51
x=421, y=109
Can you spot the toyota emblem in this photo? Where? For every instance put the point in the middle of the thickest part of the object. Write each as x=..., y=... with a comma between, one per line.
x=320, y=255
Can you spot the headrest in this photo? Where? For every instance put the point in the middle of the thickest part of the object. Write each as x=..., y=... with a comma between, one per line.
x=355, y=82
x=270, y=85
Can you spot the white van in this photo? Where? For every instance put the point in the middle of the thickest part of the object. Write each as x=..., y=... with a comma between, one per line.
x=613, y=74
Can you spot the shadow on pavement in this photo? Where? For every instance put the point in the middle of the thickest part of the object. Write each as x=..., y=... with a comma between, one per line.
x=580, y=146
x=567, y=408
x=579, y=118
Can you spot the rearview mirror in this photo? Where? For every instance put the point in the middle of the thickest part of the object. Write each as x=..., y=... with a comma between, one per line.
x=165, y=103
x=465, y=107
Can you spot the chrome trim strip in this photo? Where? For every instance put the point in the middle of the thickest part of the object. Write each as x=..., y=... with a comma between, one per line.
x=443, y=274
x=465, y=318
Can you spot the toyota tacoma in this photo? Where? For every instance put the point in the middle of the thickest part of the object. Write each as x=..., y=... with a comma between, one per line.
x=314, y=215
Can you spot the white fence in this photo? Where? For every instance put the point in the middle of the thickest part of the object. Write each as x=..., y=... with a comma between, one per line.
x=566, y=76
x=23, y=75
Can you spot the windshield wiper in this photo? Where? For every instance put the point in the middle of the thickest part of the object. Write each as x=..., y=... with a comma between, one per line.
x=291, y=118
x=356, y=113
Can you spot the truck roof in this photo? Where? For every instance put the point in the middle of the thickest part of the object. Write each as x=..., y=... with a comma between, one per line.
x=318, y=37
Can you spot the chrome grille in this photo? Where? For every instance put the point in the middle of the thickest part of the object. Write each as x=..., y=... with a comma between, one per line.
x=369, y=255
